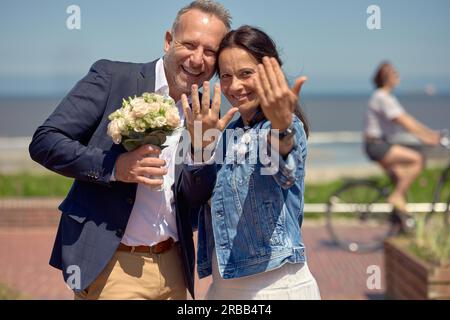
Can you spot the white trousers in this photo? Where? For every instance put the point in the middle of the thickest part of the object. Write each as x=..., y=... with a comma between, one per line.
x=289, y=282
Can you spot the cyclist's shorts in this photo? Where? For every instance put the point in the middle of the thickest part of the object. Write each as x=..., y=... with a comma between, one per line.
x=376, y=149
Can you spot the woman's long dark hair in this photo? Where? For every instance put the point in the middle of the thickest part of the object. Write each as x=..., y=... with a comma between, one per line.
x=257, y=43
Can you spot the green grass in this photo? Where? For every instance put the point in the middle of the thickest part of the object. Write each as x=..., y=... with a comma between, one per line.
x=7, y=293
x=29, y=185
x=53, y=185
x=319, y=193
x=421, y=191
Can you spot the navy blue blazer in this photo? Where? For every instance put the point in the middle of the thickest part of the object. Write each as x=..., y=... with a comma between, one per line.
x=73, y=142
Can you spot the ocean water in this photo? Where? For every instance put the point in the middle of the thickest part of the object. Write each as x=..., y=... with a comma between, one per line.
x=336, y=121
x=20, y=117
x=346, y=113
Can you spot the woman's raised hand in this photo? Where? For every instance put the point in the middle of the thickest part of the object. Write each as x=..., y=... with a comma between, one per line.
x=278, y=101
x=205, y=113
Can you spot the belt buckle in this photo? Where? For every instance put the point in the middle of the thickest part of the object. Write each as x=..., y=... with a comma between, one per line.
x=153, y=249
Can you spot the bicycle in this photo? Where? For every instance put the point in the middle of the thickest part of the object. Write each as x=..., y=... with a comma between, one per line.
x=359, y=218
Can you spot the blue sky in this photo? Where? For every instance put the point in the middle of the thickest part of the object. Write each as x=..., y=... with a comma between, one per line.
x=324, y=39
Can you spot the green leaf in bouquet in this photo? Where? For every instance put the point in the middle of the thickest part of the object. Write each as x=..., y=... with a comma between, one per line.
x=132, y=144
x=156, y=138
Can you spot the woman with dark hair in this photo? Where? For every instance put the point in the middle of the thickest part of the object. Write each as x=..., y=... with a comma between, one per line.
x=386, y=118
x=251, y=240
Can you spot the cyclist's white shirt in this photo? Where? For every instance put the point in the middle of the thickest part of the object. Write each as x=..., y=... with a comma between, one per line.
x=383, y=108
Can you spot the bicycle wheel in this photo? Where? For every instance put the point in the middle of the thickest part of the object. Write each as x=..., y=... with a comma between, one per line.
x=441, y=201
x=359, y=217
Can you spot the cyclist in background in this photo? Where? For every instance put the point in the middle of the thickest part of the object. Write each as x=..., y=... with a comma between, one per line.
x=386, y=117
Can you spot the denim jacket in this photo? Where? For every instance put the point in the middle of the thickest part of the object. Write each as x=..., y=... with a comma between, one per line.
x=256, y=214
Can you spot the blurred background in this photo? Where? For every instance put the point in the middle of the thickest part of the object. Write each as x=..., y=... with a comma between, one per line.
x=41, y=59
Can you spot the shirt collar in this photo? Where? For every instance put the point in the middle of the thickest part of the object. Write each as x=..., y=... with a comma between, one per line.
x=161, y=85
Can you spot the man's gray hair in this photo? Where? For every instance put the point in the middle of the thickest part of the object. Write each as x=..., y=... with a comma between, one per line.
x=207, y=6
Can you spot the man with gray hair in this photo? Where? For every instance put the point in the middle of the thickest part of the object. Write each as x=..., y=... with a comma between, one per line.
x=118, y=239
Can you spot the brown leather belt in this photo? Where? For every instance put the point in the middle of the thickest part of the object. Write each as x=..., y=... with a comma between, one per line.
x=158, y=248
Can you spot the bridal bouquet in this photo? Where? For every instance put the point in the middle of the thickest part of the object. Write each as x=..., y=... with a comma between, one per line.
x=148, y=119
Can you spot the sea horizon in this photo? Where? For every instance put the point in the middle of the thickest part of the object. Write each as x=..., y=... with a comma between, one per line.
x=326, y=112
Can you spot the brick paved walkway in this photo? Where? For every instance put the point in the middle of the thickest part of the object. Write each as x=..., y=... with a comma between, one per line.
x=24, y=255
x=24, y=265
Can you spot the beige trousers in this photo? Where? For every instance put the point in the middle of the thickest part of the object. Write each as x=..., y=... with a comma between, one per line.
x=137, y=276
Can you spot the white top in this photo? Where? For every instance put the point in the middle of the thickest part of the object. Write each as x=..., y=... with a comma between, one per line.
x=383, y=108
x=152, y=219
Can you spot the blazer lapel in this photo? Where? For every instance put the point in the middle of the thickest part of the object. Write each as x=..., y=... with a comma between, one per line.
x=146, y=78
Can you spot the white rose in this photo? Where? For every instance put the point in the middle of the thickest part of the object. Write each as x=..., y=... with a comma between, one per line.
x=154, y=107
x=159, y=99
x=114, y=131
x=129, y=118
x=140, y=107
x=151, y=122
x=122, y=125
x=140, y=125
x=173, y=117
x=160, y=121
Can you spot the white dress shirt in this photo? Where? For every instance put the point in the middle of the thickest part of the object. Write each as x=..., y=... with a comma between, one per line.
x=152, y=219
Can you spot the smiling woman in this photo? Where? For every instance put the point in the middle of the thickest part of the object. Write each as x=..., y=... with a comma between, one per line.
x=237, y=80
x=243, y=50
x=251, y=240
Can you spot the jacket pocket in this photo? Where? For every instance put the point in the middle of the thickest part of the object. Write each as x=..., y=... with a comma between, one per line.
x=273, y=222
x=73, y=210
